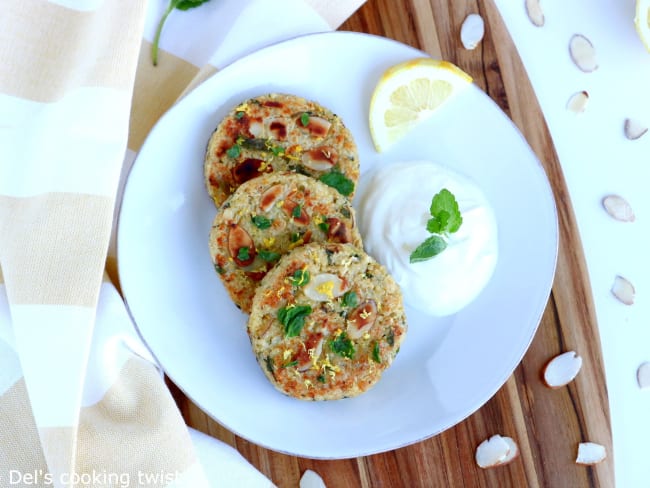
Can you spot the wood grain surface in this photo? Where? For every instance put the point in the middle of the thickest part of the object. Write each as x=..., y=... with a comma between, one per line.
x=547, y=424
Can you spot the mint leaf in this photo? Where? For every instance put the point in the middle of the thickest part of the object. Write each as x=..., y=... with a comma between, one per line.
x=300, y=277
x=243, y=253
x=338, y=181
x=376, y=357
x=445, y=212
x=342, y=346
x=261, y=222
x=349, y=299
x=445, y=219
x=293, y=319
x=432, y=246
x=268, y=256
x=188, y=4
x=173, y=4
x=234, y=151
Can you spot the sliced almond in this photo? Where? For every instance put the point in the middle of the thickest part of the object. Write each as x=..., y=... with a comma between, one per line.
x=578, y=102
x=583, y=53
x=337, y=231
x=295, y=210
x=270, y=196
x=590, y=453
x=318, y=159
x=618, y=208
x=512, y=453
x=238, y=240
x=496, y=451
x=643, y=375
x=472, y=31
x=634, y=129
x=535, y=13
x=311, y=479
x=623, y=290
x=361, y=319
x=562, y=369
x=256, y=128
x=325, y=287
x=317, y=126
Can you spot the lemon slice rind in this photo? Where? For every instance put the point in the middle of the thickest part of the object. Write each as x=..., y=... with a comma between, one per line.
x=409, y=93
x=642, y=22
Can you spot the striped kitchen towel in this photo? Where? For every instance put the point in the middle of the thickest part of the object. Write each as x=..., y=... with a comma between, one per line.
x=81, y=400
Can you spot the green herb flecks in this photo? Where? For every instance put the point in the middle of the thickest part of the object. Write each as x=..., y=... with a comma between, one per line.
x=323, y=225
x=268, y=256
x=244, y=253
x=300, y=277
x=390, y=337
x=297, y=211
x=269, y=364
x=342, y=345
x=234, y=151
x=445, y=219
x=375, y=352
x=293, y=319
x=240, y=114
x=290, y=364
x=304, y=119
x=173, y=4
x=349, y=299
x=338, y=181
x=219, y=269
x=261, y=222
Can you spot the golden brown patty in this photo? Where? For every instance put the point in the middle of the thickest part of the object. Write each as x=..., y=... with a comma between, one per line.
x=279, y=132
x=268, y=216
x=326, y=322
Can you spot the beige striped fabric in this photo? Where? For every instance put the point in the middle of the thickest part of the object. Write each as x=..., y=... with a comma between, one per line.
x=82, y=402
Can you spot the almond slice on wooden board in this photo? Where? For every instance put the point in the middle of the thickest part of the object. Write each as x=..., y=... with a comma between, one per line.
x=623, y=290
x=643, y=375
x=535, y=13
x=578, y=102
x=513, y=452
x=311, y=479
x=618, y=208
x=583, y=53
x=562, y=369
x=590, y=453
x=634, y=129
x=496, y=451
x=472, y=31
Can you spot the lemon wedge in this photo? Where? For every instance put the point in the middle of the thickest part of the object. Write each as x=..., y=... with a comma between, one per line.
x=408, y=93
x=642, y=21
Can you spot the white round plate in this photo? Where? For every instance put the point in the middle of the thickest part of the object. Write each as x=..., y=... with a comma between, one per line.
x=446, y=369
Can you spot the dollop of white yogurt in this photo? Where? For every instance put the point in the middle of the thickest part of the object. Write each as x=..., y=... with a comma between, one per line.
x=393, y=212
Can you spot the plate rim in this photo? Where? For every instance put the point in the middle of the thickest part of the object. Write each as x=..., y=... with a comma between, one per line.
x=265, y=51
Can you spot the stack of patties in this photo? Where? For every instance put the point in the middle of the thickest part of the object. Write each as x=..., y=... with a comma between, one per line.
x=325, y=318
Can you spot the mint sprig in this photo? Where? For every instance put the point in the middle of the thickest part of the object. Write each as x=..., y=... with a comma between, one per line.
x=173, y=4
x=293, y=319
x=445, y=219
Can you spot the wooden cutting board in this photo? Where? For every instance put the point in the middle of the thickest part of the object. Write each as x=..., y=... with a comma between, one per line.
x=547, y=424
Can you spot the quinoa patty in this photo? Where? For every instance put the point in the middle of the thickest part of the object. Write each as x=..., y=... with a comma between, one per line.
x=326, y=322
x=268, y=216
x=279, y=132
